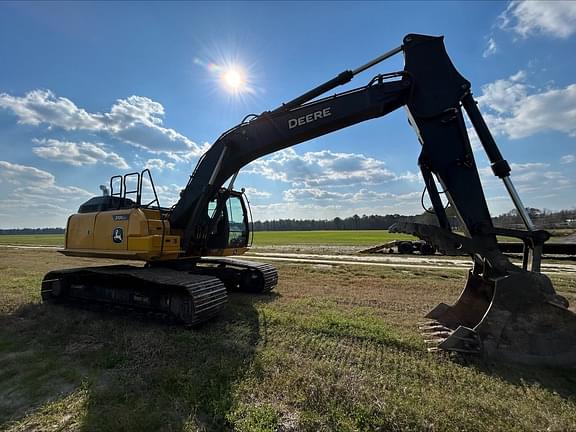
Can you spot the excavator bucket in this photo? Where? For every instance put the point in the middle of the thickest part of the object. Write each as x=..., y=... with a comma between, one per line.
x=515, y=318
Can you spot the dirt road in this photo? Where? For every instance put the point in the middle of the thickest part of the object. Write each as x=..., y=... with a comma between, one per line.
x=446, y=263
x=402, y=261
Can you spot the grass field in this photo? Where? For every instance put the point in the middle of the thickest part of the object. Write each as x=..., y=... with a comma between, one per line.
x=333, y=349
x=33, y=240
x=273, y=238
x=336, y=238
x=261, y=238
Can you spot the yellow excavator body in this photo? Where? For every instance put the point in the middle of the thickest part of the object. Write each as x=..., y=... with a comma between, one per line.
x=131, y=234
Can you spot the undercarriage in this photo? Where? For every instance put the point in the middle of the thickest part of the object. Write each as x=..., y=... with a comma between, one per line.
x=188, y=291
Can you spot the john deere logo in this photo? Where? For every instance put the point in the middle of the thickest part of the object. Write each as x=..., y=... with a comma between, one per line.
x=117, y=235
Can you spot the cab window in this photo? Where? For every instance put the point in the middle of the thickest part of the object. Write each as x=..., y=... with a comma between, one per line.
x=211, y=208
x=238, y=231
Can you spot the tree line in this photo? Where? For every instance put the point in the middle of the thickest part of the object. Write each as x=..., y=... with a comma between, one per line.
x=543, y=219
x=30, y=231
x=373, y=222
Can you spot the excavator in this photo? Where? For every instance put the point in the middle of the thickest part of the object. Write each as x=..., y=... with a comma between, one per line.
x=505, y=312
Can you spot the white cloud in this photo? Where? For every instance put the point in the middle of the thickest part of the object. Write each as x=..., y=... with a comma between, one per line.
x=77, y=154
x=322, y=168
x=537, y=175
x=42, y=106
x=315, y=194
x=491, y=48
x=325, y=210
x=504, y=95
x=253, y=192
x=159, y=165
x=16, y=174
x=27, y=181
x=31, y=197
x=539, y=185
x=136, y=120
x=551, y=18
x=568, y=159
x=365, y=195
x=168, y=194
x=529, y=177
x=474, y=140
x=350, y=198
x=327, y=184
x=517, y=111
x=410, y=176
x=486, y=172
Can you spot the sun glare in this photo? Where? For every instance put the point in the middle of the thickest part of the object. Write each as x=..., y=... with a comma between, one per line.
x=234, y=80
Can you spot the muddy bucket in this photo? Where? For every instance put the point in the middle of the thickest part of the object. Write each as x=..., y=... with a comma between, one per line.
x=516, y=318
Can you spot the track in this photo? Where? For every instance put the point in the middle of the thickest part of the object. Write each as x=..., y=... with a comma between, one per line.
x=174, y=295
x=250, y=276
x=186, y=291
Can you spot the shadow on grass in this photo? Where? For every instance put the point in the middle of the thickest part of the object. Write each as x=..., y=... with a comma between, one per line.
x=137, y=375
x=558, y=380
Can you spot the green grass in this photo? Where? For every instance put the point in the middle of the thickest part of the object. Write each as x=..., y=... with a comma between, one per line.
x=264, y=238
x=337, y=238
x=261, y=238
x=33, y=240
x=333, y=349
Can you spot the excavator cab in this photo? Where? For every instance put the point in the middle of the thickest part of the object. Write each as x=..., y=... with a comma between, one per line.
x=230, y=218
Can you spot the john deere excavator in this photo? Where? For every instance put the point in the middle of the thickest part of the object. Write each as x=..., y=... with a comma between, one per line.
x=505, y=311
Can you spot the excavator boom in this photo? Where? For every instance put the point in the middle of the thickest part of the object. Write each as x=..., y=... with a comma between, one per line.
x=273, y=131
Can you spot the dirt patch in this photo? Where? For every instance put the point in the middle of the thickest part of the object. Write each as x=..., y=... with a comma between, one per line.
x=310, y=249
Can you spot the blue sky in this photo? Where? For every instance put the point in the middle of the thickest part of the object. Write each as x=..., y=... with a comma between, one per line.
x=89, y=90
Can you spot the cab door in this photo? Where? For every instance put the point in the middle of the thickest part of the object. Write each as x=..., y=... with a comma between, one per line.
x=238, y=231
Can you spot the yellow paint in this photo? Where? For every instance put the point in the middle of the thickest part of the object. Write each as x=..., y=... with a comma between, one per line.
x=80, y=231
x=91, y=235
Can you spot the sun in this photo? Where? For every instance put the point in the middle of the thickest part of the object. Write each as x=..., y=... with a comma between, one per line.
x=233, y=77
x=234, y=80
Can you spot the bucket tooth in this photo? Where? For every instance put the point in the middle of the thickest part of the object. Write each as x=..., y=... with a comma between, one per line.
x=434, y=328
x=438, y=334
x=435, y=331
x=463, y=339
x=517, y=317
